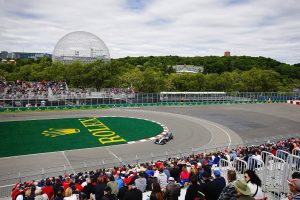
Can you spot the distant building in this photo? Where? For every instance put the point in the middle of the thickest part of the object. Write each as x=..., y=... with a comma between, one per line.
x=3, y=54
x=11, y=61
x=16, y=55
x=34, y=56
x=3, y=61
x=80, y=46
x=227, y=53
x=188, y=69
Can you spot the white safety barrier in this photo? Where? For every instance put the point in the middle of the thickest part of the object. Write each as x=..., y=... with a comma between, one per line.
x=255, y=164
x=240, y=166
x=264, y=155
x=5, y=190
x=293, y=165
x=282, y=154
x=224, y=166
x=275, y=170
x=296, y=152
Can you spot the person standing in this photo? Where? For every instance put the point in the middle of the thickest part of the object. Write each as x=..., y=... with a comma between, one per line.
x=99, y=189
x=113, y=184
x=193, y=191
x=108, y=195
x=162, y=178
x=156, y=193
x=133, y=193
x=208, y=188
x=172, y=191
x=141, y=182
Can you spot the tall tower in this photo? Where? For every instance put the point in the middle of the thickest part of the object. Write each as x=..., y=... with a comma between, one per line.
x=227, y=54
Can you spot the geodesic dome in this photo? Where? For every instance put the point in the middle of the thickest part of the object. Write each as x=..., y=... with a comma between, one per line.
x=80, y=46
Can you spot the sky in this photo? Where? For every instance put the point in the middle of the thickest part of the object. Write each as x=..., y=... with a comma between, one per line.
x=269, y=28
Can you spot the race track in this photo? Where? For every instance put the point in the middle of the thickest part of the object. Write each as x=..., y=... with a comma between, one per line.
x=192, y=126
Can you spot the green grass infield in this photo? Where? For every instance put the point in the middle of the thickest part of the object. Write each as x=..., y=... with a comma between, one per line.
x=40, y=136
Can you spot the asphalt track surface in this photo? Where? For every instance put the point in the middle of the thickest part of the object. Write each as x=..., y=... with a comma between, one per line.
x=192, y=126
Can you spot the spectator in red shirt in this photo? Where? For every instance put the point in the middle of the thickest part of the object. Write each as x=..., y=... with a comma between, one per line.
x=48, y=189
x=184, y=176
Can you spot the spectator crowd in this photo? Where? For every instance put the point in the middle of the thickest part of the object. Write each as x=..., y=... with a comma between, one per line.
x=25, y=89
x=43, y=89
x=199, y=174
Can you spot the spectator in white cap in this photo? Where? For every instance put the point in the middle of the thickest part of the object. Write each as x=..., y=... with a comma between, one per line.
x=172, y=191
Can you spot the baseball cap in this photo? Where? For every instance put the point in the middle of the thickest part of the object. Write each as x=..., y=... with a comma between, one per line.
x=127, y=181
x=217, y=171
x=171, y=179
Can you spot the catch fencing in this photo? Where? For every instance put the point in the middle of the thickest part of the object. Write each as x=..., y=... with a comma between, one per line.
x=102, y=100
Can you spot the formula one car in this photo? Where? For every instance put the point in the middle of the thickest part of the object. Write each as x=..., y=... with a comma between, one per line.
x=164, y=139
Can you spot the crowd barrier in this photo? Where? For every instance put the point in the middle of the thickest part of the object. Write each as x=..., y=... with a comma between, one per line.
x=274, y=171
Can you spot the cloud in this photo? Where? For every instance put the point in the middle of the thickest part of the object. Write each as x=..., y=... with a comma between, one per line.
x=158, y=27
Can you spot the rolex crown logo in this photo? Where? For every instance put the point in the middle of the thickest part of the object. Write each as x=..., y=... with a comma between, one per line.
x=54, y=132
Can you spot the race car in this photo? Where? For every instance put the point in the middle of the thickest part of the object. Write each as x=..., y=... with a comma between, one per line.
x=164, y=139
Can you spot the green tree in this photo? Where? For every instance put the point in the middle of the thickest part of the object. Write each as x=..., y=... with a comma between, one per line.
x=257, y=80
x=153, y=81
x=134, y=78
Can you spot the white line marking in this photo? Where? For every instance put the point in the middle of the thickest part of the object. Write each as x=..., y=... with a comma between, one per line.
x=68, y=161
x=229, y=138
x=112, y=153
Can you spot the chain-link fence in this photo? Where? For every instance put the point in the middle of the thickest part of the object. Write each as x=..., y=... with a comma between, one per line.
x=144, y=99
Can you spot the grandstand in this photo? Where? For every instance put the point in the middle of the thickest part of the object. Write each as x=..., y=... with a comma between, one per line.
x=274, y=162
x=21, y=94
x=57, y=93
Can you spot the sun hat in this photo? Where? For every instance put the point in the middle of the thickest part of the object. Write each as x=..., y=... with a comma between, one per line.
x=242, y=187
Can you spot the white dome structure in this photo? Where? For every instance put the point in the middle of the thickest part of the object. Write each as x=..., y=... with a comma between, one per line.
x=80, y=46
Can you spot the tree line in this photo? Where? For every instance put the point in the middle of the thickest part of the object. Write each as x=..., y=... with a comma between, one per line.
x=155, y=73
